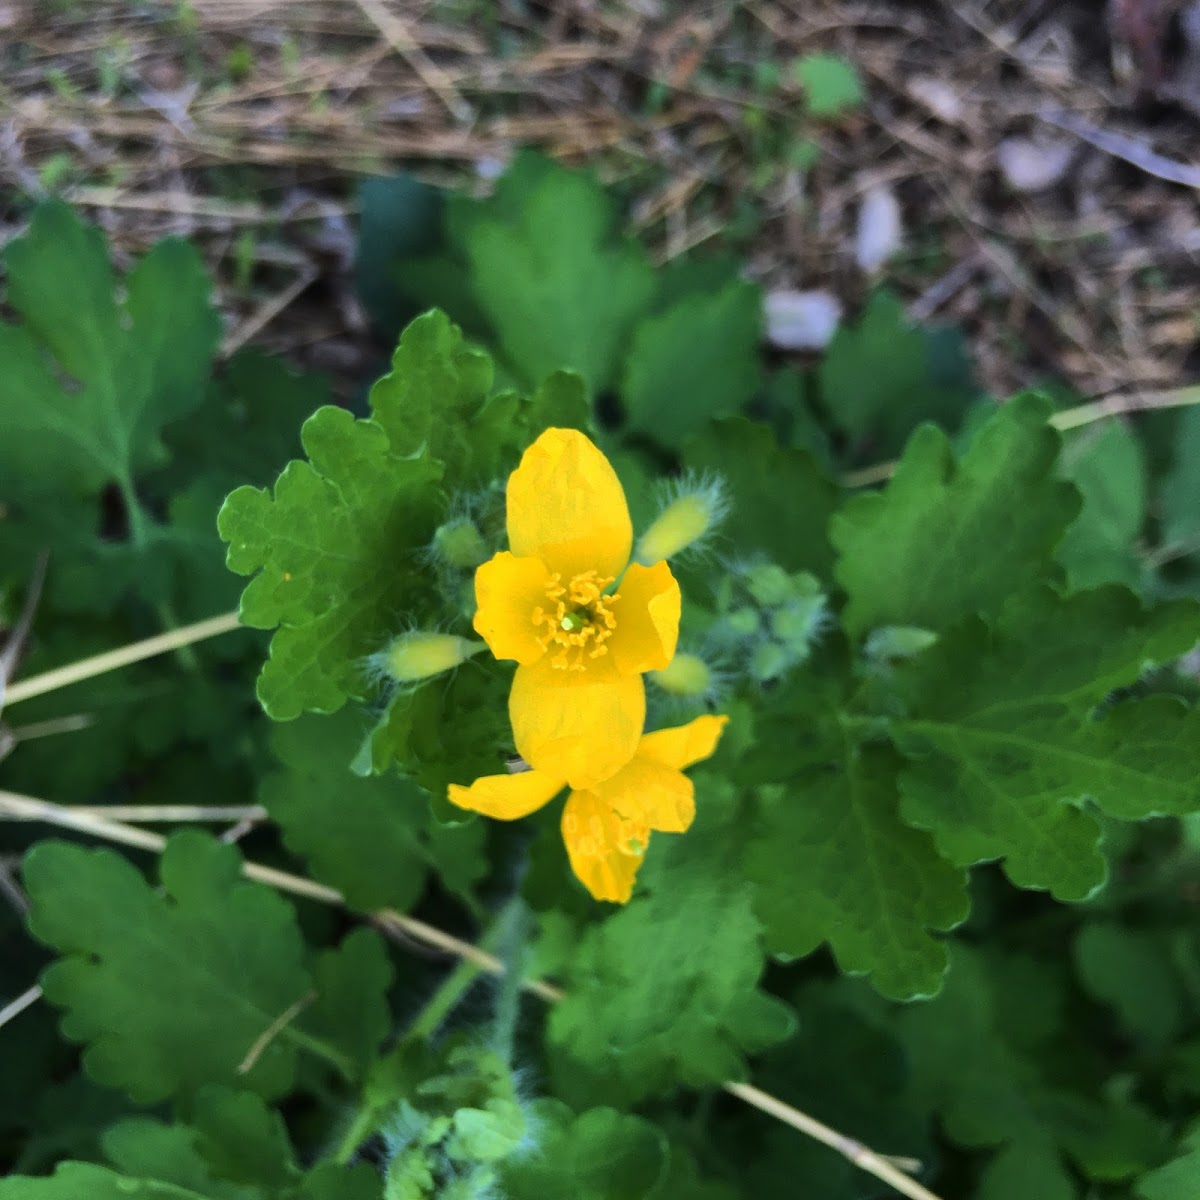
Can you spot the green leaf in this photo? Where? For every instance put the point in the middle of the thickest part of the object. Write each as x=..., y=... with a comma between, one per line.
x=1178, y=1179
x=233, y=1148
x=436, y=385
x=249, y=425
x=833, y=862
x=831, y=84
x=131, y=367
x=372, y=838
x=684, y=1181
x=64, y=1120
x=665, y=991
x=342, y=545
x=1033, y=1168
x=447, y=1116
x=1179, y=495
x=599, y=1155
x=351, y=1012
x=781, y=498
x=400, y=218
x=1107, y=464
x=335, y=546
x=991, y=1055
x=882, y=376
x=435, y=400
x=945, y=539
x=697, y=360
x=169, y=992
x=453, y=732
x=1131, y=971
x=1007, y=739
x=556, y=281
x=82, y=1181
x=146, y=1148
x=842, y=1070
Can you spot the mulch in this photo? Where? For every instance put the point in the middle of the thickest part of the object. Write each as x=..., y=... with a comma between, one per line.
x=244, y=124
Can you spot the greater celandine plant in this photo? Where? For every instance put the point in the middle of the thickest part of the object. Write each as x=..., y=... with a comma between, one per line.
x=903, y=710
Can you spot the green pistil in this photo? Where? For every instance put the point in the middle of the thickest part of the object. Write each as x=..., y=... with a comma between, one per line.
x=573, y=622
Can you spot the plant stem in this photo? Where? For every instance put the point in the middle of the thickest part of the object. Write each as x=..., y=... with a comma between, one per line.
x=449, y=992
x=511, y=929
x=112, y=660
x=139, y=532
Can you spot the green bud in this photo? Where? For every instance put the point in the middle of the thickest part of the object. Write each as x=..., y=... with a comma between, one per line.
x=414, y=656
x=743, y=621
x=689, y=518
x=796, y=624
x=770, y=585
x=460, y=544
x=898, y=641
x=769, y=661
x=685, y=675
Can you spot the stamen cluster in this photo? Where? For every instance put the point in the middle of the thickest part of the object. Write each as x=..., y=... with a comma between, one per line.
x=577, y=619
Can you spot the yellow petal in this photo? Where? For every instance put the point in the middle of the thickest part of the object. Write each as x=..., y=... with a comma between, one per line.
x=507, y=797
x=605, y=848
x=566, y=507
x=647, y=619
x=683, y=745
x=508, y=590
x=581, y=726
x=651, y=794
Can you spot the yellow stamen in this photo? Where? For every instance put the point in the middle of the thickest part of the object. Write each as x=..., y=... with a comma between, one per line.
x=577, y=619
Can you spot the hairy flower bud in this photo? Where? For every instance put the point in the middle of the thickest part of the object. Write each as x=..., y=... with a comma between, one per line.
x=694, y=512
x=685, y=675
x=459, y=544
x=414, y=656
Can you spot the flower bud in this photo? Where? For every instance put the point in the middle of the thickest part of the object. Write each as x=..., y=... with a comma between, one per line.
x=798, y=623
x=693, y=513
x=460, y=544
x=414, y=656
x=898, y=641
x=685, y=675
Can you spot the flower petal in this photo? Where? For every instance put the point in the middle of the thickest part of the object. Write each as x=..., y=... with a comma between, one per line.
x=566, y=507
x=647, y=619
x=651, y=794
x=683, y=745
x=580, y=726
x=605, y=848
x=507, y=797
x=507, y=591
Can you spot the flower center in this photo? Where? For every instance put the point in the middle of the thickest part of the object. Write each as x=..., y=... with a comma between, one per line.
x=576, y=620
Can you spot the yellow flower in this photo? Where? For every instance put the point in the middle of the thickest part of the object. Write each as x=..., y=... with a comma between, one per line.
x=582, y=623
x=607, y=827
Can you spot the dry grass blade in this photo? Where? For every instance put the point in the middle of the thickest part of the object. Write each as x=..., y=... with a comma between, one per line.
x=16, y=1007
x=1129, y=149
x=20, y=631
x=399, y=37
x=1069, y=418
x=112, y=660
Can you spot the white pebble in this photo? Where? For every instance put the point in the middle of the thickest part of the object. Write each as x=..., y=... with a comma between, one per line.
x=802, y=320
